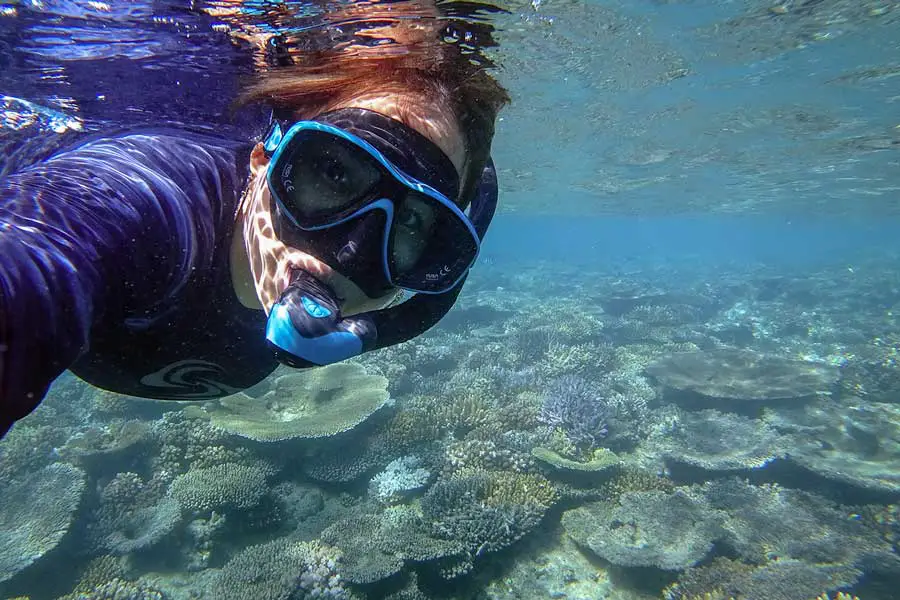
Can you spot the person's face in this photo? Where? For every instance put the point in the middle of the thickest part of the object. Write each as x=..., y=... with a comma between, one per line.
x=272, y=261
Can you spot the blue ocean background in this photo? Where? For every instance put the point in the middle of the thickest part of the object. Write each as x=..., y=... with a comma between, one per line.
x=673, y=374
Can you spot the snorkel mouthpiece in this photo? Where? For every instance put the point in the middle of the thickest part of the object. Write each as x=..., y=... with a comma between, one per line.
x=305, y=327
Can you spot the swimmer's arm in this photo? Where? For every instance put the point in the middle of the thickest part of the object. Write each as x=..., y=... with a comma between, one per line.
x=111, y=230
x=414, y=317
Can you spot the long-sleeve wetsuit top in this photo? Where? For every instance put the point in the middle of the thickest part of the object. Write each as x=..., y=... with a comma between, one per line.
x=114, y=262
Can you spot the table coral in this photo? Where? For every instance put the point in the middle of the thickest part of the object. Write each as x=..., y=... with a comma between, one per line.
x=313, y=403
x=37, y=511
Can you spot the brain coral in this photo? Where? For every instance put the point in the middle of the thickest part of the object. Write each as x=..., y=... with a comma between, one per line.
x=743, y=375
x=36, y=513
x=311, y=403
x=221, y=487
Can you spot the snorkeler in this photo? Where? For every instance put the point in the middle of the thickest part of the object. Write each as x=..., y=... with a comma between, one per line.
x=174, y=265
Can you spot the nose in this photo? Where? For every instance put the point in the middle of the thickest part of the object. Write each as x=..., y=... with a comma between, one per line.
x=362, y=242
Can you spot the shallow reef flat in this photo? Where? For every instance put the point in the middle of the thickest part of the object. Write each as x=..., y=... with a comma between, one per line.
x=667, y=434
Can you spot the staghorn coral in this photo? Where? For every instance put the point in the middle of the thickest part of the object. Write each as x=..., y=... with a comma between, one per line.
x=221, y=488
x=282, y=569
x=630, y=479
x=576, y=406
x=458, y=510
x=37, y=511
x=573, y=359
x=483, y=454
x=312, y=403
x=508, y=488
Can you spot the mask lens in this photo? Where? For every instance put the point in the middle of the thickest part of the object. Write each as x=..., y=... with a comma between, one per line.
x=323, y=176
x=430, y=247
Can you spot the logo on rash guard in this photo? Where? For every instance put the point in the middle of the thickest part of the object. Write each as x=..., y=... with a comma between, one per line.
x=189, y=380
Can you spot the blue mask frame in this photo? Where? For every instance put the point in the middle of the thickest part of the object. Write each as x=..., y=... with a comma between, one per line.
x=436, y=278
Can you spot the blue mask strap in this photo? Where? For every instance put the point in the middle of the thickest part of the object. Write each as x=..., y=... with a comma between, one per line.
x=273, y=138
x=485, y=203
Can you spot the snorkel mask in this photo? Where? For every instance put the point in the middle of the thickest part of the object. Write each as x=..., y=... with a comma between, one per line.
x=373, y=199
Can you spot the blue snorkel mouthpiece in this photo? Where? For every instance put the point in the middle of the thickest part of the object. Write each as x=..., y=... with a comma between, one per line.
x=305, y=327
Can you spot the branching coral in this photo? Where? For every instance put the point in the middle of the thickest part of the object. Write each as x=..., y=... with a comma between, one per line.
x=480, y=511
x=401, y=476
x=281, y=570
x=577, y=407
x=222, y=487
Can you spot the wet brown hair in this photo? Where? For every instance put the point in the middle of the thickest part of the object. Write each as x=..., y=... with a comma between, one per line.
x=411, y=49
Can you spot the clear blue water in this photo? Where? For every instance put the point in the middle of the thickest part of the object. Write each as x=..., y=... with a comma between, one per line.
x=718, y=180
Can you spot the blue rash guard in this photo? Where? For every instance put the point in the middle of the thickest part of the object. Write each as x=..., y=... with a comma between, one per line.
x=114, y=263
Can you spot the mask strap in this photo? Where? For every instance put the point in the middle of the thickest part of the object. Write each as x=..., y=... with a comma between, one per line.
x=485, y=203
x=273, y=138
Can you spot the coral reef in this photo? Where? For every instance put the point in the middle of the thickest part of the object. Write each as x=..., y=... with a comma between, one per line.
x=281, y=570
x=564, y=451
x=37, y=511
x=646, y=529
x=743, y=375
x=400, y=477
x=575, y=406
x=855, y=441
x=221, y=488
x=122, y=529
x=377, y=545
x=718, y=441
x=311, y=403
x=600, y=460
x=116, y=589
x=781, y=579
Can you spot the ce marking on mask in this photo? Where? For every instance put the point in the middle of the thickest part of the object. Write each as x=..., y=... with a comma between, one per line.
x=442, y=273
